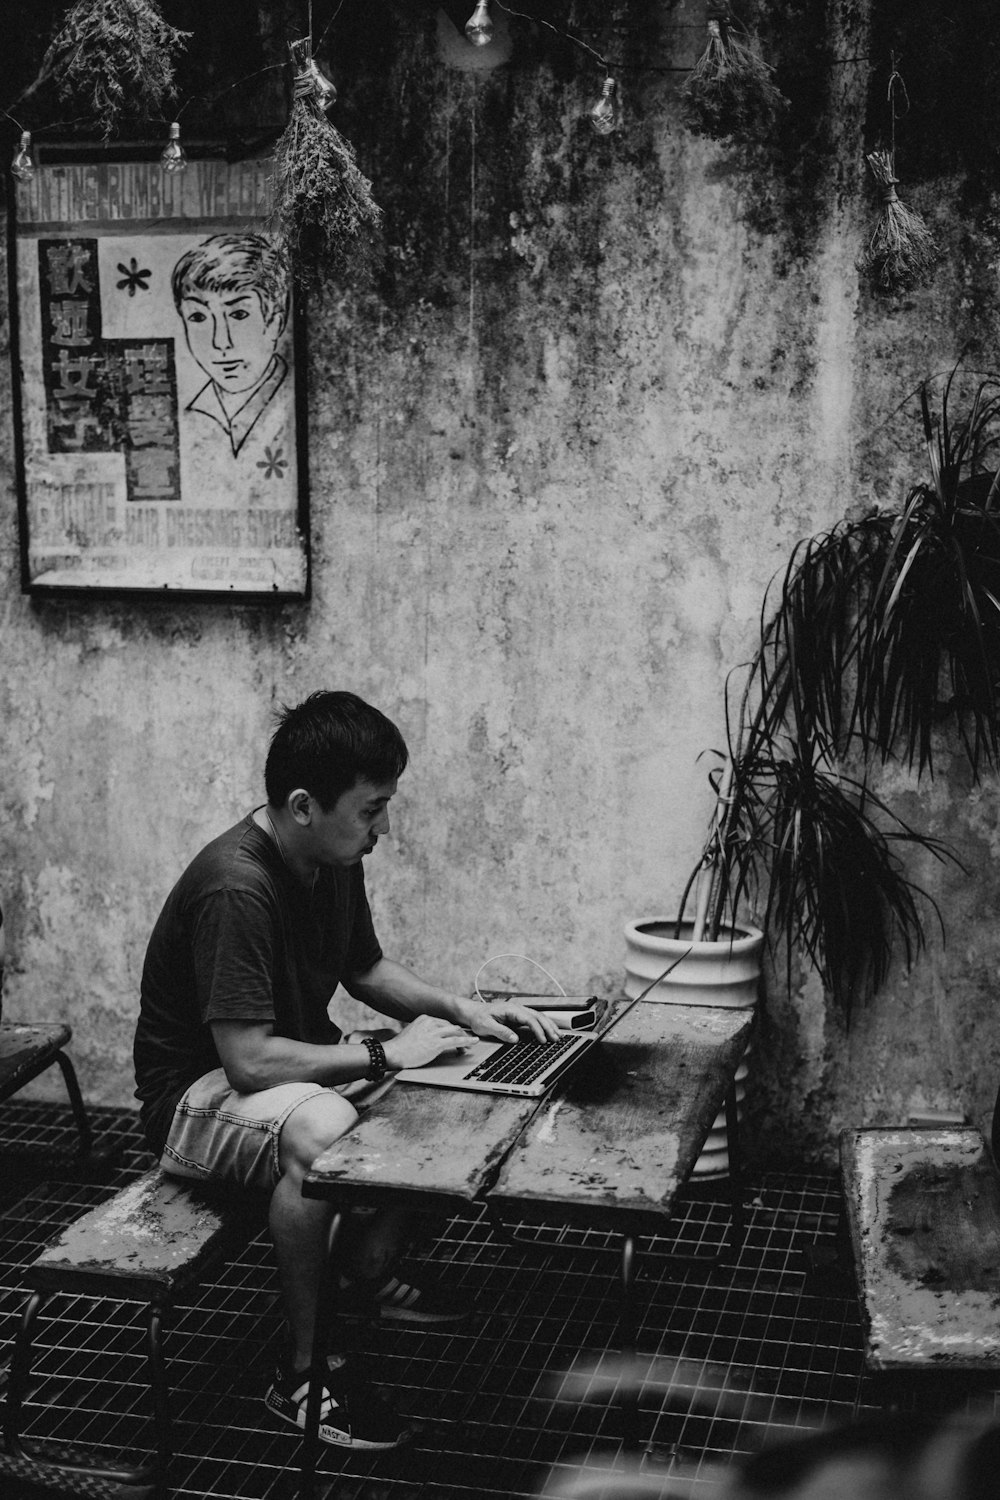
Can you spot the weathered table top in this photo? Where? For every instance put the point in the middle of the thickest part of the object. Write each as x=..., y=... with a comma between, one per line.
x=624, y=1133
x=438, y=1146
x=924, y=1213
x=623, y=1130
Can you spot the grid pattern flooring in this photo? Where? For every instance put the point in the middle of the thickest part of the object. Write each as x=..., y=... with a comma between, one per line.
x=733, y=1353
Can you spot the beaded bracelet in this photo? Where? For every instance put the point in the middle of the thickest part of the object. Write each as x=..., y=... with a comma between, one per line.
x=377, y=1065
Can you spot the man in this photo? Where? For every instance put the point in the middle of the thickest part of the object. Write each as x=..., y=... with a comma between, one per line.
x=231, y=292
x=242, y=1075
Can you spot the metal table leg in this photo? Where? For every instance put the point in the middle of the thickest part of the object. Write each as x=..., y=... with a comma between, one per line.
x=738, y=1222
x=629, y=1393
x=326, y=1306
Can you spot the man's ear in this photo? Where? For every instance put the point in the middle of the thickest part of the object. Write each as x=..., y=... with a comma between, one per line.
x=300, y=805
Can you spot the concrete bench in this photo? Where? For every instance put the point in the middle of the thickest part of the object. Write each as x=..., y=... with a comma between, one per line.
x=923, y=1211
x=149, y=1242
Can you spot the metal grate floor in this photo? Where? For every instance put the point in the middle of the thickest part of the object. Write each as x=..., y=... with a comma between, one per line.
x=525, y=1391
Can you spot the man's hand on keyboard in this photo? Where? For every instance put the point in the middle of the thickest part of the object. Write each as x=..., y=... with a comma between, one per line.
x=503, y=1020
x=423, y=1040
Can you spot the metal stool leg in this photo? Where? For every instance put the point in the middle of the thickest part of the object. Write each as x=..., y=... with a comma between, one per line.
x=160, y=1389
x=20, y=1373
x=76, y=1102
x=17, y=1391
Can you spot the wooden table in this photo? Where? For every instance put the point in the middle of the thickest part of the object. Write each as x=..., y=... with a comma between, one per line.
x=420, y=1148
x=613, y=1145
x=619, y=1141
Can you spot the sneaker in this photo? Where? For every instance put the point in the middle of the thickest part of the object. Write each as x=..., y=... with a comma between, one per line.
x=352, y=1414
x=399, y=1301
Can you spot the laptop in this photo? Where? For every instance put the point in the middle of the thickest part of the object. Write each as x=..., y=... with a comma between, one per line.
x=527, y=1067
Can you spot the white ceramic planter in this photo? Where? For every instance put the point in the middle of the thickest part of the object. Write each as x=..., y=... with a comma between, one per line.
x=725, y=972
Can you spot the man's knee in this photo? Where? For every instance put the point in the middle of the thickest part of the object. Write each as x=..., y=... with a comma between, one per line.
x=311, y=1127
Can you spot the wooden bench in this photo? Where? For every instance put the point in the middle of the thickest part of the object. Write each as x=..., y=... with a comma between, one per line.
x=27, y=1051
x=923, y=1211
x=146, y=1244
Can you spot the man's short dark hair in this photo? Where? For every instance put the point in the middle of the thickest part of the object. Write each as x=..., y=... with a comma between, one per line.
x=327, y=744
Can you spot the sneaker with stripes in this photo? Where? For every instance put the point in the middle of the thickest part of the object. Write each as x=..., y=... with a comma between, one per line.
x=398, y=1301
x=352, y=1412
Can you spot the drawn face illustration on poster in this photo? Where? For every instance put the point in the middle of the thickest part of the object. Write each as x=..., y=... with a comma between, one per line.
x=231, y=293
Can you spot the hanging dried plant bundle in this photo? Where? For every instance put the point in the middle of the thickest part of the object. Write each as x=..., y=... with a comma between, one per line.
x=323, y=211
x=731, y=90
x=115, y=57
x=900, y=252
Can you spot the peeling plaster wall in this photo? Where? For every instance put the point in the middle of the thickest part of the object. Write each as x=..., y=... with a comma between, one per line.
x=556, y=455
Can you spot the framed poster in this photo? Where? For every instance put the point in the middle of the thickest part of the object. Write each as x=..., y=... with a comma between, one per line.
x=158, y=390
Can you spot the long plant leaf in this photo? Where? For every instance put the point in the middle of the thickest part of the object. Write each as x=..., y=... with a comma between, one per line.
x=872, y=635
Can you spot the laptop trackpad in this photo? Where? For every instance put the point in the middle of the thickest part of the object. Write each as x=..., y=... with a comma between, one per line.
x=452, y=1067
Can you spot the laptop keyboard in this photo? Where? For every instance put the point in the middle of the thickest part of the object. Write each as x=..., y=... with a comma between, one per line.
x=523, y=1061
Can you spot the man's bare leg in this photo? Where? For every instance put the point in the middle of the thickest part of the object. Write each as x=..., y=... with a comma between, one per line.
x=300, y=1227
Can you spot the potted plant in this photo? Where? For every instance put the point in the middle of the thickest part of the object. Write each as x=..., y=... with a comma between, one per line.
x=877, y=632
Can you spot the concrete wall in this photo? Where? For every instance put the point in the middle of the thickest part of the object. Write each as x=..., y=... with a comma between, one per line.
x=557, y=451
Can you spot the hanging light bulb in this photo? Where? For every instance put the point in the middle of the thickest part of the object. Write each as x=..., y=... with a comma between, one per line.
x=479, y=27
x=603, y=116
x=172, y=158
x=22, y=166
x=325, y=89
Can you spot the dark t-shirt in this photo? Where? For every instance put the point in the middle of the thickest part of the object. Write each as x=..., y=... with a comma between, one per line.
x=240, y=939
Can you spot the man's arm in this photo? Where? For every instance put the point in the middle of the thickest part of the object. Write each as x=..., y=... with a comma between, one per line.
x=396, y=991
x=254, y=1058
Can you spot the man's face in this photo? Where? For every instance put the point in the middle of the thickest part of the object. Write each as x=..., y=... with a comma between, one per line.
x=229, y=336
x=352, y=827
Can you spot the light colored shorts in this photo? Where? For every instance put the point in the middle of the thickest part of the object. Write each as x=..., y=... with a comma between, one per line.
x=218, y=1135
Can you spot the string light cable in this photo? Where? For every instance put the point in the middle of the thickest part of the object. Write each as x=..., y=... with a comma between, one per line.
x=603, y=114
x=172, y=157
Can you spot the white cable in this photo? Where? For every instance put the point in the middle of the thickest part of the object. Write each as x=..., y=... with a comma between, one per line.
x=525, y=959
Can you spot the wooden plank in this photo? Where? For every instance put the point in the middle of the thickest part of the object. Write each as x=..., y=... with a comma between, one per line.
x=439, y=1145
x=25, y=1051
x=923, y=1208
x=152, y=1236
x=624, y=1132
